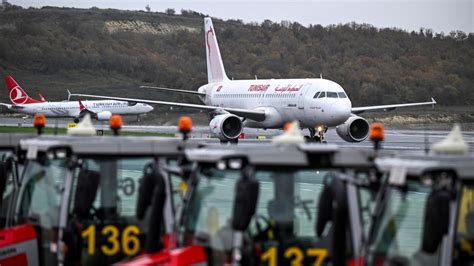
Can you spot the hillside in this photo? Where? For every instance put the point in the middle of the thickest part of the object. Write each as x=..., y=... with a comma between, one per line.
x=112, y=52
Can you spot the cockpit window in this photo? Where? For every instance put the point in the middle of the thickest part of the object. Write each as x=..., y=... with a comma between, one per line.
x=316, y=95
x=322, y=94
x=342, y=94
x=331, y=94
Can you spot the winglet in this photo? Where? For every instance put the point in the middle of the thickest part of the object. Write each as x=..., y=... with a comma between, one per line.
x=69, y=95
x=433, y=101
x=41, y=97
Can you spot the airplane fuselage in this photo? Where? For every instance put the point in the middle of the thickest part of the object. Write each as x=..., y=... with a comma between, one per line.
x=283, y=100
x=72, y=108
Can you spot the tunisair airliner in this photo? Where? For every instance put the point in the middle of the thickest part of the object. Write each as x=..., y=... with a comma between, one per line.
x=317, y=104
x=99, y=109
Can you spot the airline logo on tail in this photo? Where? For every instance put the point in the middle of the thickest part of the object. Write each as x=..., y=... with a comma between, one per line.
x=215, y=67
x=18, y=96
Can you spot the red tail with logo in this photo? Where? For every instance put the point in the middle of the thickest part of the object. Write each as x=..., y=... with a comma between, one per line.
x=17, y=94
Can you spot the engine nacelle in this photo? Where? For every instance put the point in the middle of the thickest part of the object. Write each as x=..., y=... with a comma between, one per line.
x=355, y=129
x=226, y=126
x=104, y=115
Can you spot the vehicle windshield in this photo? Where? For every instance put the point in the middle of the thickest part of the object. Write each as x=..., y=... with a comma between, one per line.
x=398, y=235
x=464, y=241
x=110, y=230
x=9, y=189
x=102, y=227
x=40, y=202
x=284, y=222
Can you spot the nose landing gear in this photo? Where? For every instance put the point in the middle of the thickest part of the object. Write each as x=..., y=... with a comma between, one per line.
x=317, y=134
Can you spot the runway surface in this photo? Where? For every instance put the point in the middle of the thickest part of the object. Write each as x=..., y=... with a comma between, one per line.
x=406, y=141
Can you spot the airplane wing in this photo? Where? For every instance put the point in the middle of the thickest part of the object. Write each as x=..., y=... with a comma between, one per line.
x=174, y=90
x=257, y=115
x=390, y=107
x=12, y=106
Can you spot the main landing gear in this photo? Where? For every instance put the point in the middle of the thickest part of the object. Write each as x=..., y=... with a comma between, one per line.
x=317, y=134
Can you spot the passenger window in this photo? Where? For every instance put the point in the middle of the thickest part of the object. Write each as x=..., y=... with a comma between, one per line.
x=331, y=94
x=342, y=95
x=316, y=95
x=322, y=94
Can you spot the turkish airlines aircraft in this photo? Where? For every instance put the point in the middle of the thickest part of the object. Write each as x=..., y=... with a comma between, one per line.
x=101, y=110
x=268, y=103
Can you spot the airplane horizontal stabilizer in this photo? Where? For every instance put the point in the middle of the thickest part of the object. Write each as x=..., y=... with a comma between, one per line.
x=257, y=115
x=390, y=107
x=6, y=105
x=174, y=90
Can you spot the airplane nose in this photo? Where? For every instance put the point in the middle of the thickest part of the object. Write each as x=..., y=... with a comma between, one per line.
x=149, y=107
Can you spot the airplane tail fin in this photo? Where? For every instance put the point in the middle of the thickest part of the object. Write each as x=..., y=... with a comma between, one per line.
x=17, y=94
x=81, y=106
x=215, y=67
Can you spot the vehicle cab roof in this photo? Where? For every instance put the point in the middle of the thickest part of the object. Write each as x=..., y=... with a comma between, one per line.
x=415, y=166
x=304, y=155
x=11, y=140
x=110, y=145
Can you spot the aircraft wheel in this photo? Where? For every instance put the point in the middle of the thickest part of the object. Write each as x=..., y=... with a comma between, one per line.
x=76, y=120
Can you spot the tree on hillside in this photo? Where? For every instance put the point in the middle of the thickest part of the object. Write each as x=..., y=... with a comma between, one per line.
x=170, y=11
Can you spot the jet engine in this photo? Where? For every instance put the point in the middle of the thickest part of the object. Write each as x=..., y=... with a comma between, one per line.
x=355, y=129
x=104, y=115
x=226, y=126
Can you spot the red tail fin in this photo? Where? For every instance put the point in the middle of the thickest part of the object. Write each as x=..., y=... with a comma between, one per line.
x=17, y=94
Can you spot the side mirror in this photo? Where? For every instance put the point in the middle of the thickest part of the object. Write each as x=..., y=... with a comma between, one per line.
x=332, y=206
x=436, y=220
x=246, y=196
x=145, y=191
x=3, y=179
x=87, y=186
x=152, y=190
x=324, y=214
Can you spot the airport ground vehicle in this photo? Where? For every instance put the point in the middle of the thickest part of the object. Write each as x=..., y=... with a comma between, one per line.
x=9, y=169
x=425, y=215
x=269, y=205
x=78, y=198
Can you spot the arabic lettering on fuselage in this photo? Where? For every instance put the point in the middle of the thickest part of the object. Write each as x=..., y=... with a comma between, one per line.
x=289, y=87
x=279, y=88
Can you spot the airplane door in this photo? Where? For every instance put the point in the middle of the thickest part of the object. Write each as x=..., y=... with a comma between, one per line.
x=301, y=95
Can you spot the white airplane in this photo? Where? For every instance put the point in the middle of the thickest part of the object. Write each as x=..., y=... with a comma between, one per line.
x=268, y=103
x=100, y=110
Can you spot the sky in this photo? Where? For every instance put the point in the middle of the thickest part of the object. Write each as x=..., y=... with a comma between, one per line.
x=438, y=15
